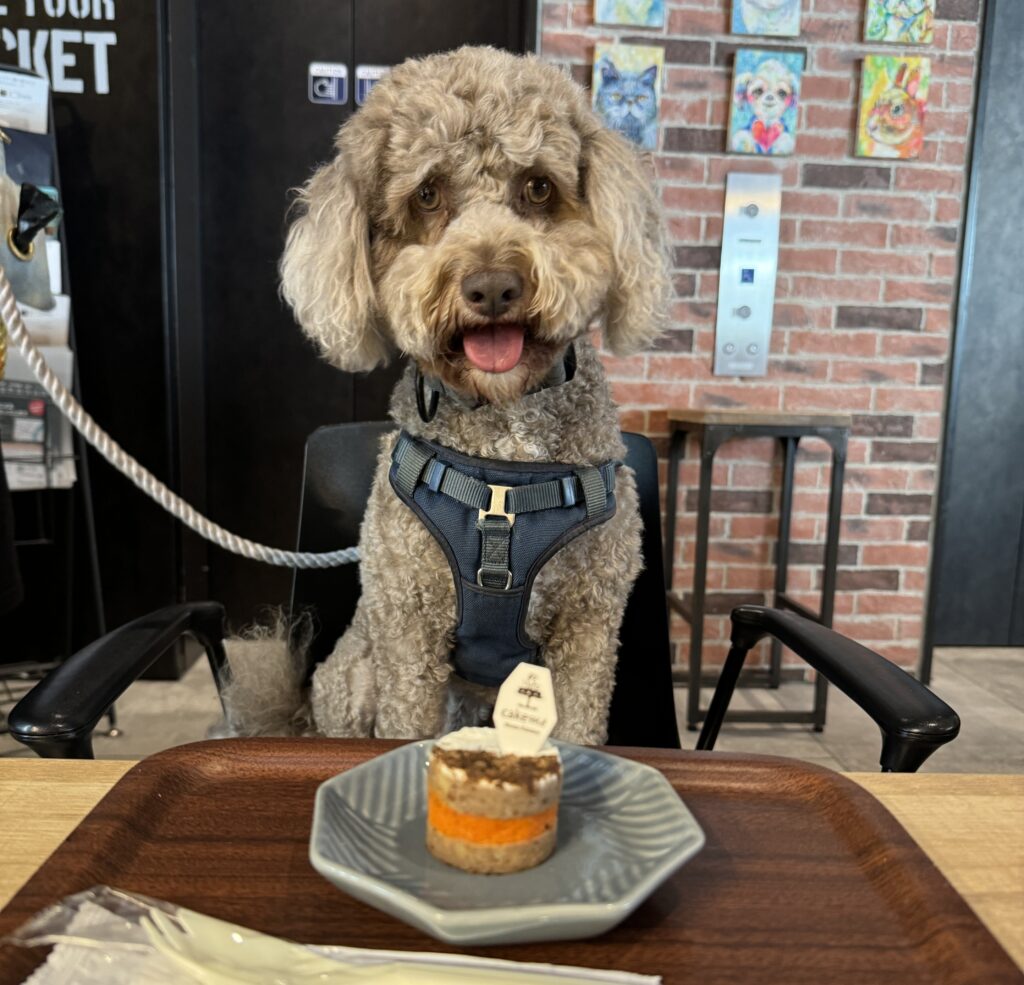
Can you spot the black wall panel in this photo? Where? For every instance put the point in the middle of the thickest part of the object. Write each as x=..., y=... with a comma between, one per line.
x=978, y=569
x=265, y=388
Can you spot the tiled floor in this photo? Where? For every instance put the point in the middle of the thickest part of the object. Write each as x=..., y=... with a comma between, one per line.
x=986, y=687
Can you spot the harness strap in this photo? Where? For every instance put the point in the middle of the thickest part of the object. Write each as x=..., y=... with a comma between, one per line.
x=595, y=491
x=410, y=460
x=416, y=464
x=495, y=537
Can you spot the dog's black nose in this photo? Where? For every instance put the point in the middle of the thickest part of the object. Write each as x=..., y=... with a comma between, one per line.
x=491, y=292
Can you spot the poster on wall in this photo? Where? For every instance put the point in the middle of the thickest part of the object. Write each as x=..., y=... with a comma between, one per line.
x=766, y=95
x=627, y=81
x=893, y=100
x=636, y=13
x=899, y=21
x=769, y=18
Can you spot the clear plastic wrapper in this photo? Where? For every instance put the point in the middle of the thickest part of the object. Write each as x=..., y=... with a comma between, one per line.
x=107, y=936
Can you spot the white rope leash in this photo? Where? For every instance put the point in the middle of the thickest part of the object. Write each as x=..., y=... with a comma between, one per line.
x=142, y=478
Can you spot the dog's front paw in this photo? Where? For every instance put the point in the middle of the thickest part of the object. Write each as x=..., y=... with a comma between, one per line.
x=343, y=694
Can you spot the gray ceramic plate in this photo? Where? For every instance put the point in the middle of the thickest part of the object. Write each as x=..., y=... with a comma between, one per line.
x=622, y=830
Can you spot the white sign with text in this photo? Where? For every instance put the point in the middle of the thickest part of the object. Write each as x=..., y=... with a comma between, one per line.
x=71, y=54
x=525, y=714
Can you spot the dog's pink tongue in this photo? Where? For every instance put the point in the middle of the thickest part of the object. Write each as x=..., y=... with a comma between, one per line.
x=494, y=348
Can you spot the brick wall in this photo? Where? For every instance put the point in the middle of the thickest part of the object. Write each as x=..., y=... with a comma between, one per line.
x=867, y=279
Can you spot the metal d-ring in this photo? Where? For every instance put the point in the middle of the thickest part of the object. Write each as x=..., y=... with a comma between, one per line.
x=13, y=246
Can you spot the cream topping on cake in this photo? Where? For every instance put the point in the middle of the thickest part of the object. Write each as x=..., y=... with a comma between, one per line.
x=474, y=755
x=485, y=740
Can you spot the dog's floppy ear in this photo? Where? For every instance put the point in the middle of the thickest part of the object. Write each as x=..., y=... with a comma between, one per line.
x=325, y=272
x=625, y=208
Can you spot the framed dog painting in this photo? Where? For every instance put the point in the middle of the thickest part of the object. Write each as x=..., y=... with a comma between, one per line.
x=766, y=93
x=899, y=21
x=627, y=84
x=769, y=18
x=636, y=13
x=893, y=100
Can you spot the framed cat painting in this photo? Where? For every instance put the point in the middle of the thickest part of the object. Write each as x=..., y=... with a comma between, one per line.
x=627, y=84
x=766, y=94
x=900, y=21
x=893, y=100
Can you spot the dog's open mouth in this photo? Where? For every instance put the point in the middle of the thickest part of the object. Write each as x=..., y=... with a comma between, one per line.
x=496, y=347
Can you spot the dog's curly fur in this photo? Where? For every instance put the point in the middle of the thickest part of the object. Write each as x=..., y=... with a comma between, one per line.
x=371, y=272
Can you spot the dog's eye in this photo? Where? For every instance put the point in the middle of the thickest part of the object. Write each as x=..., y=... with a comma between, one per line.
x=428, y=198
x=538, y=191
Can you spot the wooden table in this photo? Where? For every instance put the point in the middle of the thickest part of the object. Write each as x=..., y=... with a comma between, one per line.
x=41, y=803
x=970, y=825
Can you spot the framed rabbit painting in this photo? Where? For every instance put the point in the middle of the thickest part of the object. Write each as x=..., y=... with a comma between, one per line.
x=627, y=83
x=893, y=100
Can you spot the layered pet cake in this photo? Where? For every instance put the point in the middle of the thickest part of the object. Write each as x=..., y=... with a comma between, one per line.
x=489, y=812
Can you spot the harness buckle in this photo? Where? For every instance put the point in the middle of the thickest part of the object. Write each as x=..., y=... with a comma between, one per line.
x=497, y=504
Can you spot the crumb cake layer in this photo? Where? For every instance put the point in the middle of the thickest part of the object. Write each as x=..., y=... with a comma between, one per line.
x=489, y=812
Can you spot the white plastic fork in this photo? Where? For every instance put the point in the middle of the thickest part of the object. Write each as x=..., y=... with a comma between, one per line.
x=213, y=952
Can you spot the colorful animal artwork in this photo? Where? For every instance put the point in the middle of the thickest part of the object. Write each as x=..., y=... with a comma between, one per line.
x=893, y=100
x=637, y=13
x=900, y=21
x=766, y=92
x=627, y=82
x=774, y=18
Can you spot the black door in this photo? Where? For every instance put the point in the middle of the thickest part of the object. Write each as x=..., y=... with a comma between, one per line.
x=259, y=135
x=978, y=569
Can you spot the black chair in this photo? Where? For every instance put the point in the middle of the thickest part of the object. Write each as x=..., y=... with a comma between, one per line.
x=58, y=716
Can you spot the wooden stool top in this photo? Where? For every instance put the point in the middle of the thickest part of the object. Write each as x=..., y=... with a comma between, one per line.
x=739, y=417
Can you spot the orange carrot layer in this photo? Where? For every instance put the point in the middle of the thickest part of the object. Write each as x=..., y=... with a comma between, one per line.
x=487, y=830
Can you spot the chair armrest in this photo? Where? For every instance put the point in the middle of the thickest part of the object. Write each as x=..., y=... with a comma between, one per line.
x=914, y=722
x=57, y=717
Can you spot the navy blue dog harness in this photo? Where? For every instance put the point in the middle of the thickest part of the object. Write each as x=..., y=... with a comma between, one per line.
x=497, y=523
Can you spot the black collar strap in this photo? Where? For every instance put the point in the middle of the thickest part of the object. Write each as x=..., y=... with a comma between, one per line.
x=429, y=389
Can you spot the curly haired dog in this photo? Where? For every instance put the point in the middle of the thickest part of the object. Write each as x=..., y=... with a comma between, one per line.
x=478, y=218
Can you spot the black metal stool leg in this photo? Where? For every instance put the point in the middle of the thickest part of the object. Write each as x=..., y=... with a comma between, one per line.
x=828, y=586
x=700, y=575
x=675, y=456
x=789, y=449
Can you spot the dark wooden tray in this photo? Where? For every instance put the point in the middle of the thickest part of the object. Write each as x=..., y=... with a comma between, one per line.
x=805, y=877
